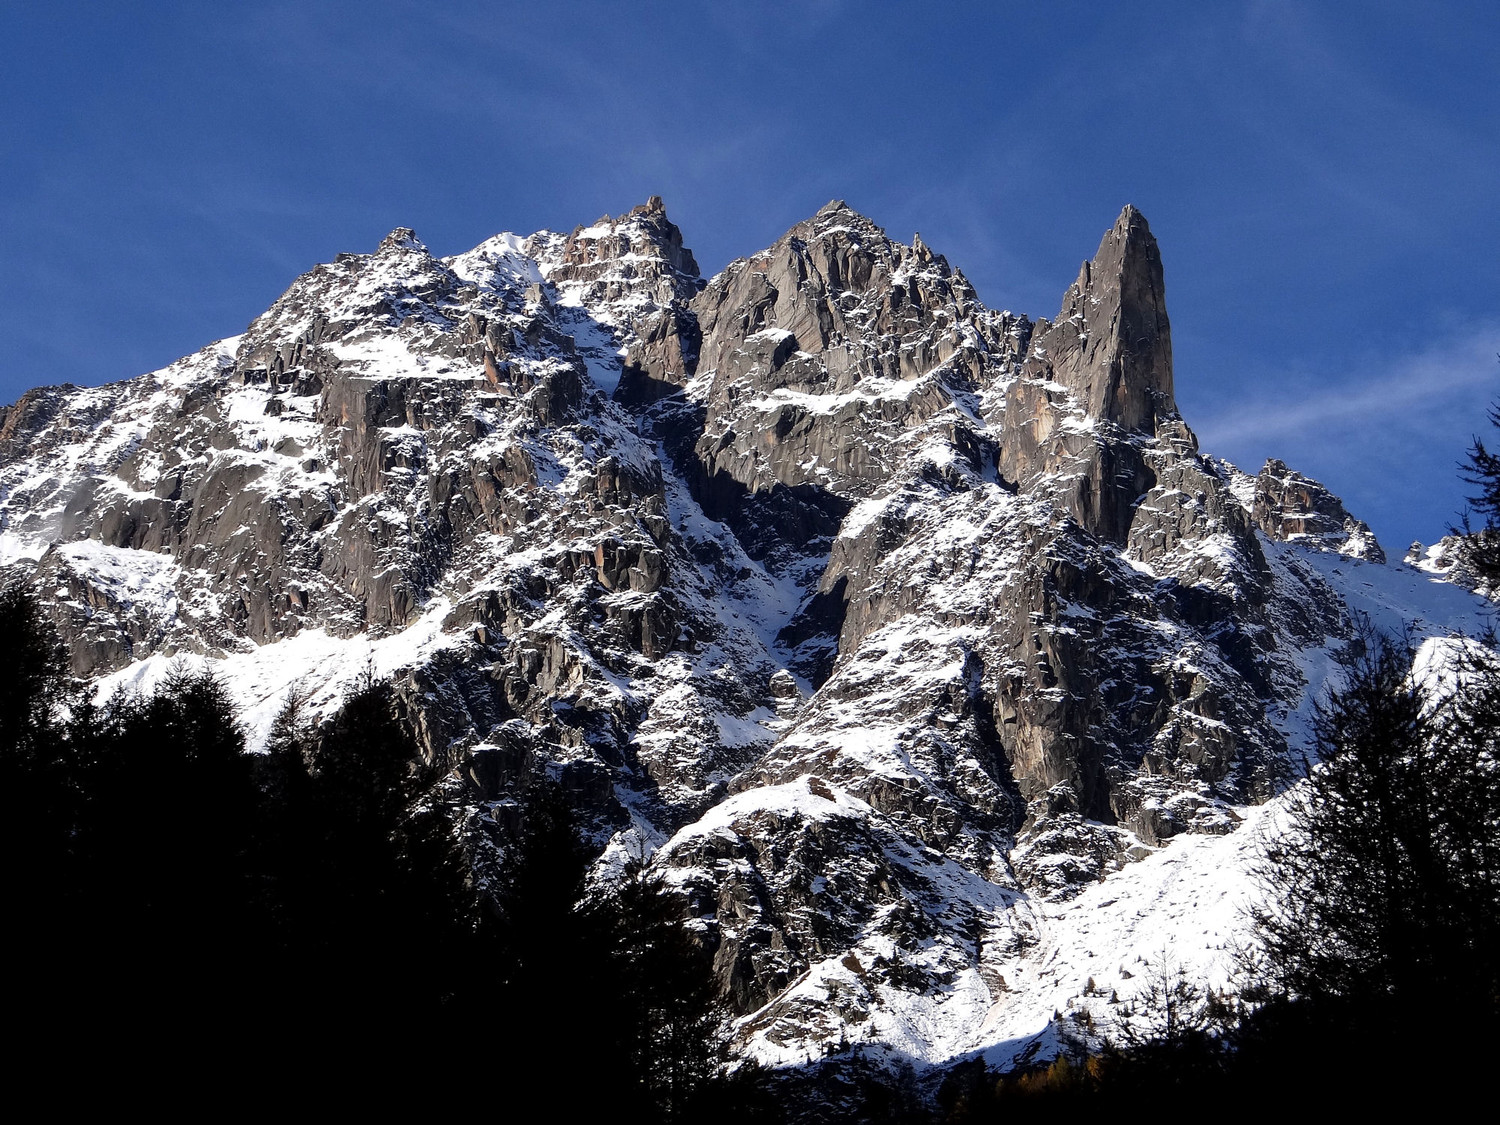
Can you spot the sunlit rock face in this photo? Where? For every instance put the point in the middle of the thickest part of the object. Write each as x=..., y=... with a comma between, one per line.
x=876, y=618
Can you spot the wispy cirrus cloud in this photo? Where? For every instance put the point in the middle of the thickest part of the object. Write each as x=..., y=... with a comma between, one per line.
x=1430, y=390
x=1387, y=434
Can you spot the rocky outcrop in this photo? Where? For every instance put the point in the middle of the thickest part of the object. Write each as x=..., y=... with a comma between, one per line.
x=1452, y=558
x=1291, y=507
x=823, y=359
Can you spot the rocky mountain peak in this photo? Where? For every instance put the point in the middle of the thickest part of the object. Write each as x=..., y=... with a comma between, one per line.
x=402, y=238
x=810, y=348
x=634, y=277
x=870, y=614
x=819, y=285
x=605, y=260
x=1096, y=386
x=1111, y=344
x=837, y=218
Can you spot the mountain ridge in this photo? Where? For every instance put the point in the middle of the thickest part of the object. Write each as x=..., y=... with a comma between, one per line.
x=879, y=619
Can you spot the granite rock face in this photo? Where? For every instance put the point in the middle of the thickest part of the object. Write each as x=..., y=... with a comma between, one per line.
x=871, y=614
x=1291, y=507
x=823, y=361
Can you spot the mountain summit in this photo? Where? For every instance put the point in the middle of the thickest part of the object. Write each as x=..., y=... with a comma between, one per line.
x=917, y=644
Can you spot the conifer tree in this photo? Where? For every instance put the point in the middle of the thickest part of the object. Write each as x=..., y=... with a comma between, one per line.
x=549, y=968
x=36, y=791
x=38, y=813
x=1384, y=891
x=1481, y=470
x=673, y=1015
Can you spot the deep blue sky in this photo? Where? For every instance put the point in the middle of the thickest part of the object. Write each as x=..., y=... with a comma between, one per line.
x=1322, y=177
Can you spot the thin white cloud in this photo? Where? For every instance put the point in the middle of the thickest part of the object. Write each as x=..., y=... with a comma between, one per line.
x=1439, y=384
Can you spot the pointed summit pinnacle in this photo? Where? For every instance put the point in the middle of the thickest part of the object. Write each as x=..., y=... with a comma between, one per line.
x=1123, y=371
x=402, y=238
x=1111, y=347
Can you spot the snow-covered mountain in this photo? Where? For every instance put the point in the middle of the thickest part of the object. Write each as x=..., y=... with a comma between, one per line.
x=916, y=642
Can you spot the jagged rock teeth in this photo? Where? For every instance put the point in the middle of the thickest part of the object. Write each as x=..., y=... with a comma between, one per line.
x=402, y=238
x=1291, y=507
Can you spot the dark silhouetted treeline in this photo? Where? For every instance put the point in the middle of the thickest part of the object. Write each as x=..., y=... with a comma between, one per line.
x=1375, y=965
x=185, y=915
x=181, y=913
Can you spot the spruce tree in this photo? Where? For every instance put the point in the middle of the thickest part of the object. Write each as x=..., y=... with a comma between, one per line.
x=39, y=807
x=1383, y=892
x=1481, y=470
x=667, y=991
x=549, y=969
x=36, y=791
